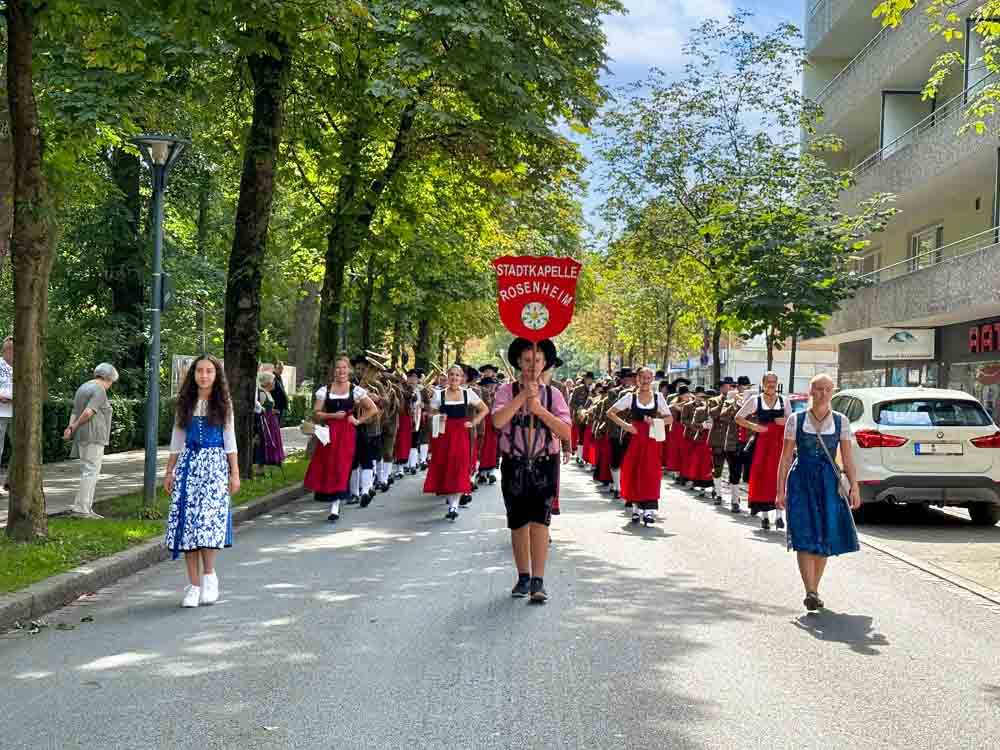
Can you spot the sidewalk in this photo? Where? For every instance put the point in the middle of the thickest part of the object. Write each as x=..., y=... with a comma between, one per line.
x=121, y=474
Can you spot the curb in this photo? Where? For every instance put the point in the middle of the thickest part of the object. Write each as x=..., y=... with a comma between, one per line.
x=931, y=569
x=59, y=590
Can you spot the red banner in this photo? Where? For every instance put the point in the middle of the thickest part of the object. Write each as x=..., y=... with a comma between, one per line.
x=536, y=295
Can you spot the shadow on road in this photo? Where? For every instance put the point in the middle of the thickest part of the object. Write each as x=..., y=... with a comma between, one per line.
x=855, y=631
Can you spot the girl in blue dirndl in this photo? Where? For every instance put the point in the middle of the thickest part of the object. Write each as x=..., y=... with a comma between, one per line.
x=820, y=523
x=202, y=474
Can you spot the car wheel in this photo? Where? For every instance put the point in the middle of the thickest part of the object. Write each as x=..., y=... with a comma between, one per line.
x=984, y=514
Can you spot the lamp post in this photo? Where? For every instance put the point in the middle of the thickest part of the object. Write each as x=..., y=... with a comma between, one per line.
x=160, y=153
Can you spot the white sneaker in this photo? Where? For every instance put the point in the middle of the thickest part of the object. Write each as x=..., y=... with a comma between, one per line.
x=209, y=588
x=95, y=516
x=191, y=596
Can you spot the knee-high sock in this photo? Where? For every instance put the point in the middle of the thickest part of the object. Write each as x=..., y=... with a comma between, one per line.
x=734, y=493
x=383, y=473
x=356, y=482
x=717, y=484
x=367, y=480
x=616, y=479
x=335, y=508
x=579, y=452
x=424, y=449
x=780, y=514
x=453, y=502
x=413, y=459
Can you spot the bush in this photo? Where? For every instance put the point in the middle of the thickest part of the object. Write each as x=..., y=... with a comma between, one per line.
x=299, y=407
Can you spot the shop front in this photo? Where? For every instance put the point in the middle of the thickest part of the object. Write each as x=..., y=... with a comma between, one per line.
x=963, y=356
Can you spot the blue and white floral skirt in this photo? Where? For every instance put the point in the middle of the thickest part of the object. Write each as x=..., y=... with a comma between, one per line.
x=200, y=516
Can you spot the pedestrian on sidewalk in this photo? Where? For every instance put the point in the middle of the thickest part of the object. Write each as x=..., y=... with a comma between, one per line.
x=279, y=394
x=7, y=401
x=203, y=473
x=269, y=447
x=90, y=430
x=533, y=420
x=811, y=486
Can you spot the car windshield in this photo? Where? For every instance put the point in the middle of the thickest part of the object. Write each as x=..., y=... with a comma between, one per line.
x=799, y=404
x=938, y=412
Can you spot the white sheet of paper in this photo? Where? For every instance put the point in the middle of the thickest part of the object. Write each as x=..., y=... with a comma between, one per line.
x=658, y=430
x=322, y=433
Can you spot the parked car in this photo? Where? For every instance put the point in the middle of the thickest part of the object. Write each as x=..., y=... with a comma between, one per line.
x=798, y=401
x=924, y=445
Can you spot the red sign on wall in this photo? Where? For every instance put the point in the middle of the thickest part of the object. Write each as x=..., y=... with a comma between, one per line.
x=984, y=338
x=536, y=295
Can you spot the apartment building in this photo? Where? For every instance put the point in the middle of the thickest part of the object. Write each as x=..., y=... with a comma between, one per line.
x=932, y=313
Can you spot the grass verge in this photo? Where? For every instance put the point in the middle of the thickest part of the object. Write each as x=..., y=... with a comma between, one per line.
x=127, y=522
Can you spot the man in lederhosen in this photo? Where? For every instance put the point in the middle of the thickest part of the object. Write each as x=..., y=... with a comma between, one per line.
x=577, y=402
x=533, y=419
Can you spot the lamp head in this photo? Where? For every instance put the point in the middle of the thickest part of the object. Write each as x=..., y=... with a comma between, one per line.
x=159, y=149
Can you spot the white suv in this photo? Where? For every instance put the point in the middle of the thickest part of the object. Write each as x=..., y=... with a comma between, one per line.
x=924, y=445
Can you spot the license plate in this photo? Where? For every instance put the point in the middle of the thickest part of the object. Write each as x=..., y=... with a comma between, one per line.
x=938, y=449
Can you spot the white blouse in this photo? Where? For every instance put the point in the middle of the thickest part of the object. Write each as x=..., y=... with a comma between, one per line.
x=474, y=399
x=359, y=393
x=749, y=408
x=625, y=402
x=179, y=436
x=826, y=427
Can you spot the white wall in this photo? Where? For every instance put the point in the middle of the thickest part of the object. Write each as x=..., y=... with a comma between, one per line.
x=900, y=112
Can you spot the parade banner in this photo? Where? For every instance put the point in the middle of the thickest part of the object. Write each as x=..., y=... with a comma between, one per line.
x=536, y=295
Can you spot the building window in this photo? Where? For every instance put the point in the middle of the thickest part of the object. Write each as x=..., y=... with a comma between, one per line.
x=925, y=248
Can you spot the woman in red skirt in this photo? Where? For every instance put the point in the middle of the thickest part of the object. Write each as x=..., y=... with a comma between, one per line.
x=700, y=467
x=676, y=442
x=641, y=467
x=329, y=472
x=453, y=451
x=765, y=415
x=489, y=444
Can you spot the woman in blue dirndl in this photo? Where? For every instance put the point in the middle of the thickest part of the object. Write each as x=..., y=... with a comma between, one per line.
x=202, y=474
x=820, y=523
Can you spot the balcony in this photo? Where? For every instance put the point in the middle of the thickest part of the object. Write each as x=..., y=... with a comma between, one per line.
x=931, y=149
x=834, y=26
x=941, y=286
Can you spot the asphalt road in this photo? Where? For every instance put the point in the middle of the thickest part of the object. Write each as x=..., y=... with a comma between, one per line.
x=396, y=630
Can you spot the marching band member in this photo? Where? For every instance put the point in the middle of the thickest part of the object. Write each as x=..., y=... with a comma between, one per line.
x=450, y=469
x=489, y=450
x=765, y=415
x=641, y=470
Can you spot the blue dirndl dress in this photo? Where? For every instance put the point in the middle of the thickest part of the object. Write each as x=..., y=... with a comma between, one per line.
x=200, y=516
x=819, y=521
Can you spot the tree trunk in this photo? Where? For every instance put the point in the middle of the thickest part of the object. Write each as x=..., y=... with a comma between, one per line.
x=422, y=350
x=668, y=346
x=204, y=194
x=125, y=271
x=716, y=353
x=397, y=341
x=253, y=214
x=6, y=170
x=791, y=362
x=769, y=340
x=301, y=344
x=32, y=253
x=366, y=304
x=610, y=355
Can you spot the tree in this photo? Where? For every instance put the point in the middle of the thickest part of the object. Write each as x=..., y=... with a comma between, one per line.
x=32, y=255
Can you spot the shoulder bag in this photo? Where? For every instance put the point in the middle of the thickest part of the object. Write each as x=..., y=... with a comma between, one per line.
x=843, y=483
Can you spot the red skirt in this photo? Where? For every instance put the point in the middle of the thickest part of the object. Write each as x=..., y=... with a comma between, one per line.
x=764, y=469
x=589, y=446
x=404, y=437
x=604, y=458
x=665, y=450
x=641, y=470
x=329, y=469
x=675, y=446
x=451, y=461
x=700, y=467
x=489, y=449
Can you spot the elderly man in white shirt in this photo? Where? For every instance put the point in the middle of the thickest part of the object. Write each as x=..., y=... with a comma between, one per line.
x=6, y=398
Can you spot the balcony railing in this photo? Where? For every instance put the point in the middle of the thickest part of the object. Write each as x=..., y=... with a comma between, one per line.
x=941, y=115
x=931, y=258
x=819, y=21
x=858, y=58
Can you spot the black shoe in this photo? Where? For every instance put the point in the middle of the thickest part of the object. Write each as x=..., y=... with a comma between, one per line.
x=333, y=518
x=492, y=479
x=423, y=466
x=452, y=514
x=367, y=498
x=718, y=500
x=475, y=487
x=386, y=486
x=522, y=588
x=616, y=494
x=636, y=518
x=765, y=524
x=390, y=481
x=538, y=594
x=579, y=462
x=648, y=519
x=354, y=500
x=734, y=507
x=812, y=602
x=481, y=479
x=779, y=524
x=754, y=511
x=464, y=500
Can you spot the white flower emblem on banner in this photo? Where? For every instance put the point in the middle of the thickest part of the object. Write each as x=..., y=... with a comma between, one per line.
x=535, y=316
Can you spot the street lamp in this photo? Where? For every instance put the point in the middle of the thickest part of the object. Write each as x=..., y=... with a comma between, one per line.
x=160, y=152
